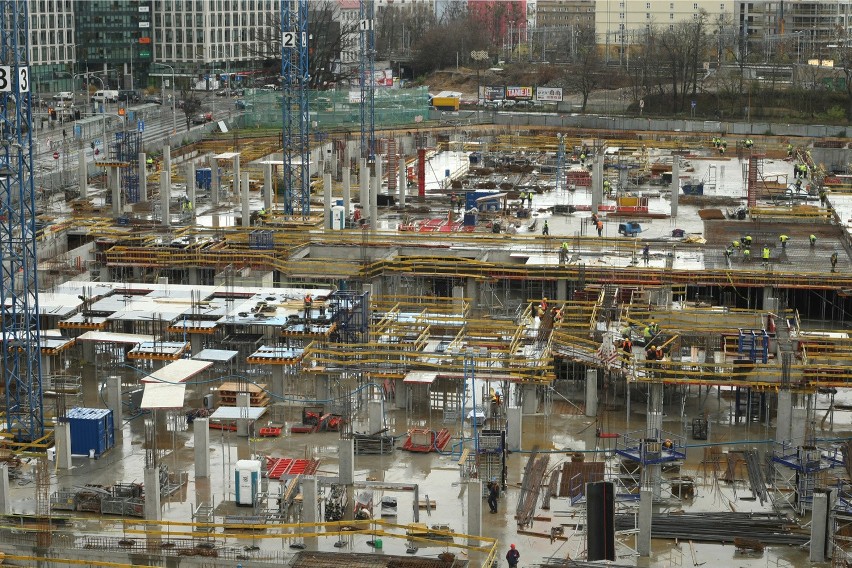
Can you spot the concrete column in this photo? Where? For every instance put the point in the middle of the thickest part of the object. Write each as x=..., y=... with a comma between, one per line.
x=346, y=475
x=364, y=179
x=115, y=185
x=799, y=426
x=326, y=200
x=62, y=441
x=143, y=176
x=322, y=391
x=403, y=393
x=267, y=186
x=196, y=343
x=561, y=290
x=597, y=183
x=514, y=428
x=472, y=292
x=277, y=386
x=591, y=392
x=675, y=184
x=530, y=399
x=153, y=512
x=655, y=410
x=236, y=184
x=113, y=397
x=819, y=527
x=784, y=416
x=376, y=415
x=646, y=509
x=246, y=216
x=655, y=425
x=166, y=186
x=190, y=186
x=403, y=181
x=474, y=510
x=201, y=438
x=347, y=189
x=310, y=500
x=374, y=194
x=82, y=173
x=5, y=497
x=214, y=179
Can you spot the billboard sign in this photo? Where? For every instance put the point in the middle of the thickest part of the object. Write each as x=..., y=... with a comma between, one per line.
x=549, y=94
x=493, y=93
x=519, y=93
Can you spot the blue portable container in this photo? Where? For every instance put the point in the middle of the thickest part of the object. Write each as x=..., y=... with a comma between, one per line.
x=203, y=178
x=91, y=429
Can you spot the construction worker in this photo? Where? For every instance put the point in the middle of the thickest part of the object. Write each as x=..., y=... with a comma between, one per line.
x=646, y=254
x=600, y=228
x=798, y=184
x=783, y=239
x=646, y=334
x=607, y=186
x=655, y=329
x=651, y=353
x=658, y=354
x=453, y=199
x=728, y=252
x=309, y=303
x=789, y=150
x=822, y=197
x=543, y=305
x=747, y=240
x=812, y=238
x=722, y=147
x=595, y=219
x=513, y=556
x=563, y=253
x=804, y=171
x=766, y=253
x=627, y=347
x=748, y=143
x=736, y=244
x=833, y=261
x=746, y=254
x=583, y=159
x=716, y=141
x=529, y=199
x=545, y=230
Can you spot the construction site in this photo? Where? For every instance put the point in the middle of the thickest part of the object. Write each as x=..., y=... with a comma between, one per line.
x=304, y=348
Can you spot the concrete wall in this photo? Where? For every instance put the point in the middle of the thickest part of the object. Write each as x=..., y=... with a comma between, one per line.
x=556, y=120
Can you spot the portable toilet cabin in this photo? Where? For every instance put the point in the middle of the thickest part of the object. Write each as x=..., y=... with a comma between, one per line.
x=247, y=473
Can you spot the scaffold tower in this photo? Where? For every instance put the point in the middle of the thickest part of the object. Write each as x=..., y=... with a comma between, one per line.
x=296, y=120
x=19, y=292
x=125, y=150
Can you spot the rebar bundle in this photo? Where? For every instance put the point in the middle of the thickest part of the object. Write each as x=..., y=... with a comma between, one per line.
x=755, y=475
x=768, y=528
x=530, y=488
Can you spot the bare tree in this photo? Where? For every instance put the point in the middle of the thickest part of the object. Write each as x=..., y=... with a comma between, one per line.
x=680, y=48
x=399, y=27
x=445, y=44
x=843, y=62
x=584, y=73
x=328, y=41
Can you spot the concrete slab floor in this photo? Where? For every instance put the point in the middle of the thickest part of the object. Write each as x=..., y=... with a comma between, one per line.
x=555, y=431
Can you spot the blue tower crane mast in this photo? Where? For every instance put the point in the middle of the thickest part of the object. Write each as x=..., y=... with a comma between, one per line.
x=295, y=74
x=21, y=353
x=367, y=64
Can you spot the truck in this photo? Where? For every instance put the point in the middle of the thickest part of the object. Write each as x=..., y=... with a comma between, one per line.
x=109, y=96
x=445, y=103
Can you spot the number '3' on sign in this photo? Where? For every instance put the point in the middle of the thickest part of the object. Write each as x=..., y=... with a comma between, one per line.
x=6, y=78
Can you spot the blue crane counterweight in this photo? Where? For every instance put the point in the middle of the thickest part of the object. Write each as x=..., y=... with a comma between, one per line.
x=21, y=354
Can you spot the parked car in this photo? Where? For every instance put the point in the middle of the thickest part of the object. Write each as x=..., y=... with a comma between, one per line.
x=128, y=96
x=242, y=104
x=202, y=118
x=153, y=100
x=222, y=93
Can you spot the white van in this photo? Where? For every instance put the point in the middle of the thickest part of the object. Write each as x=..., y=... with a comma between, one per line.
x=108, y=96
x=64, y=96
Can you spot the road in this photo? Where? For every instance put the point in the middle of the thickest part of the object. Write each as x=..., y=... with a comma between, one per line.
x=53, y=152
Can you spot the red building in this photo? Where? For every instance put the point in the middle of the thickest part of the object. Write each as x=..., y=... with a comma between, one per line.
x=505, y=20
